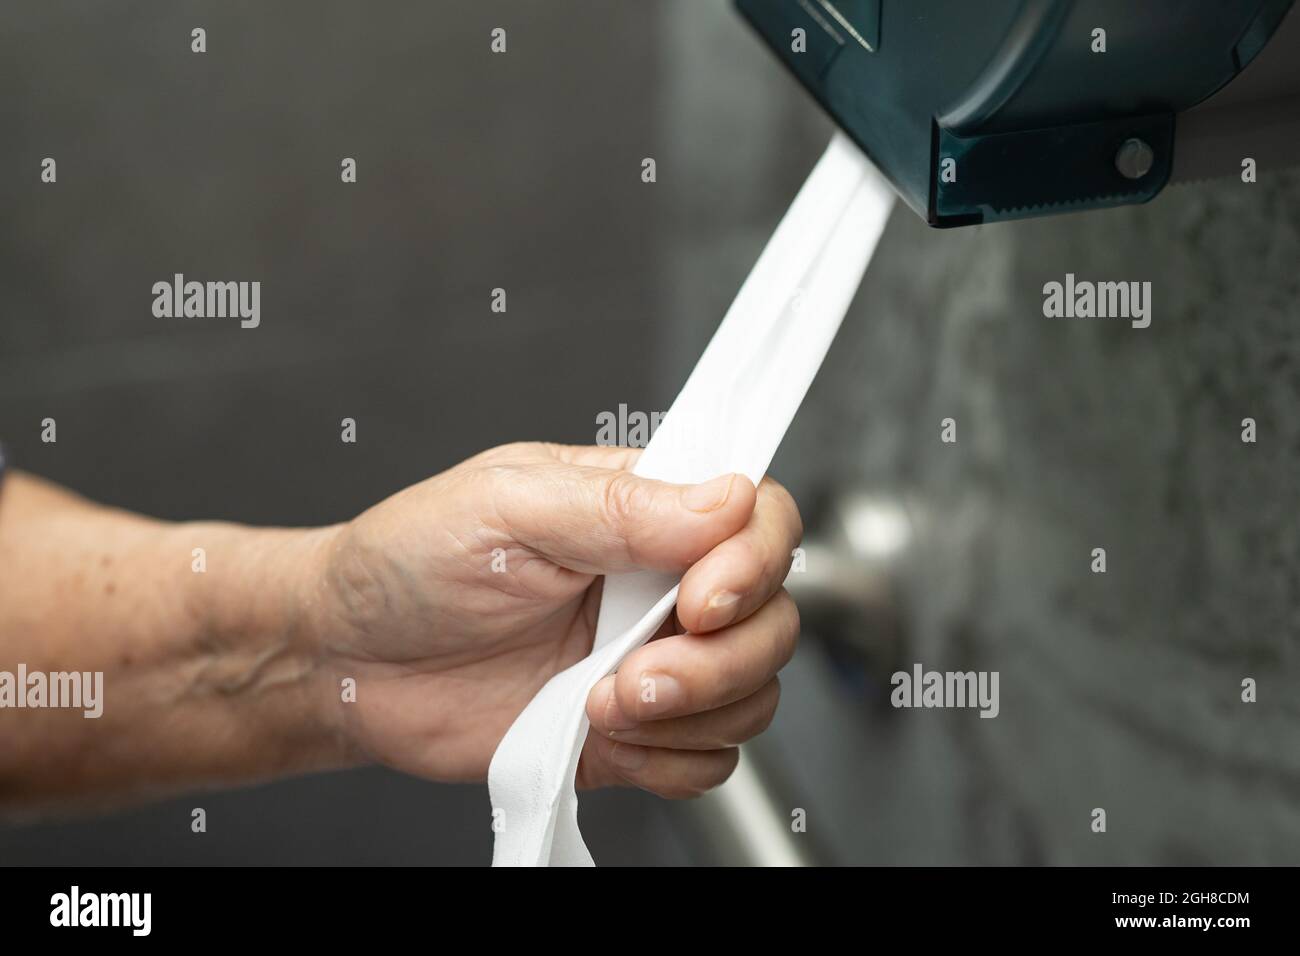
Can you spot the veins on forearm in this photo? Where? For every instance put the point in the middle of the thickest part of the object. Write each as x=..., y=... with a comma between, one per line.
x=215, y=670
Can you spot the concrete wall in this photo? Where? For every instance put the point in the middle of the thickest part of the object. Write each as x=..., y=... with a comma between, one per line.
x=1118, y=690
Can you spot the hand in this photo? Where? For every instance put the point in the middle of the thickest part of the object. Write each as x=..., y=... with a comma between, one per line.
x=454, y=601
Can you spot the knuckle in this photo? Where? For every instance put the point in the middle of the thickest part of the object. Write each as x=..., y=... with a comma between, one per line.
x=733, y=668
x=781, y=613
x=704, y=772
x=625, y=500
x=785, y=630
x=761, y=716
x=677, y=791
x=596, y=708
x=549, y=449
x=503, y=454
x=714, y=735
x=525, y=449
x=722, y=771
x=685, y=789
x=751, y=554
x=790, y=623
x=785, y=507
x=498, y=475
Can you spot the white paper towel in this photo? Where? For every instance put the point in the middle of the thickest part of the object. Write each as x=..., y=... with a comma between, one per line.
x=729, y=417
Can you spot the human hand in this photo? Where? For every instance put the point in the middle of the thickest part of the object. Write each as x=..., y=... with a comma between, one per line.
x=452, y=602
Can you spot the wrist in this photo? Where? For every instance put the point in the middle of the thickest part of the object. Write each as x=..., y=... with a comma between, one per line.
x=254, y=650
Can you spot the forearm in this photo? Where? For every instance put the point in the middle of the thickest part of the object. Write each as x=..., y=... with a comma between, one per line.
x=209, y=676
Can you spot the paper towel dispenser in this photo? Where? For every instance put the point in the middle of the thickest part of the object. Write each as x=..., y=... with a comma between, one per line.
x=985, y=110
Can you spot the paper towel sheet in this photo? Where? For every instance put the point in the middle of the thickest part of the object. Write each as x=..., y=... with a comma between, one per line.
x=729, y=417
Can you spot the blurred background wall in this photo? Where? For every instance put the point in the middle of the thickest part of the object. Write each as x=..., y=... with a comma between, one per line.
x=522, y=171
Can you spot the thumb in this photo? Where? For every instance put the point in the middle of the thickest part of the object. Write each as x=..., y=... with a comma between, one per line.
x=600, y=520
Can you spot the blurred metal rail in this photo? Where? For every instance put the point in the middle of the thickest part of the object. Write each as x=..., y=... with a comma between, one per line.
x=846, y=595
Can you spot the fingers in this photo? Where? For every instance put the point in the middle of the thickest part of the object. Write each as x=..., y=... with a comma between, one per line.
x=672, y=717
x=670, y=720
x=600, y=520
x=727, y=726
x=740, y=574
x=673, y=774
x=691, y=673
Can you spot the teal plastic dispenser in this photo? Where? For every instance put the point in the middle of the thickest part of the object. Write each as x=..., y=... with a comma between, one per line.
x=983, y=110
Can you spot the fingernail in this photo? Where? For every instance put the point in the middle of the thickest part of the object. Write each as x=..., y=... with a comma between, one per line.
x=658, y=694
x=629, y=756
x=719, y=610
x=615, y=719
x=709, y=496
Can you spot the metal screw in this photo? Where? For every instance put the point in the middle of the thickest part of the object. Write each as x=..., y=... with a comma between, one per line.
x=1134, y=158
